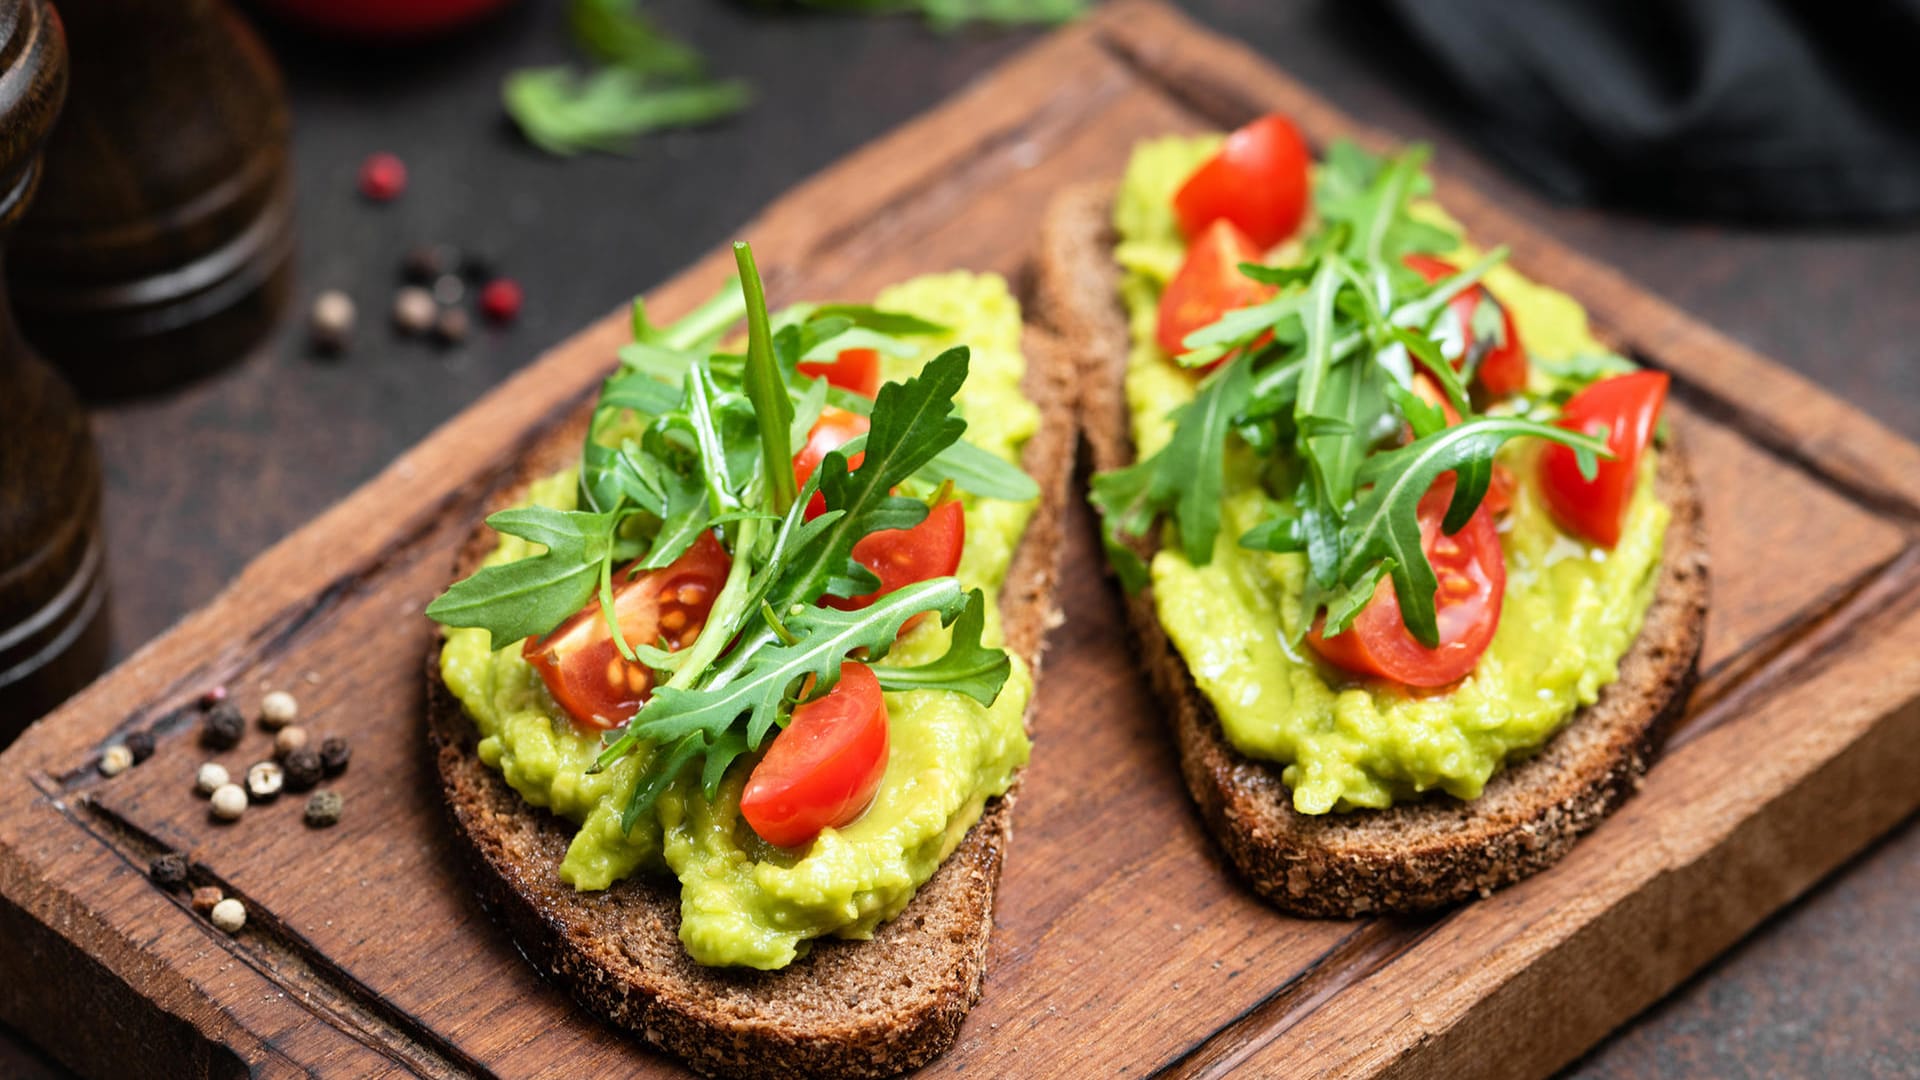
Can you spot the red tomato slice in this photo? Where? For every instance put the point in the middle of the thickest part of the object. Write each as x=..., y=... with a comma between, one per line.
x=900, y=557
x=1208, y=285
x=1258, y=181
x=822, y=771
x=834, y=429
x=857, y=370
x=1628, y=407
x=665, y=608
x=1503, y=367
x=1473, y=582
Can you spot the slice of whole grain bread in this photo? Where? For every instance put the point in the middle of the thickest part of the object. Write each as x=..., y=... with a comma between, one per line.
x=848, y=1008
x=1414, y=856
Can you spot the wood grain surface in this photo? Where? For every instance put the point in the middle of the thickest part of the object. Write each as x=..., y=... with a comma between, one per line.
x=1123, y=944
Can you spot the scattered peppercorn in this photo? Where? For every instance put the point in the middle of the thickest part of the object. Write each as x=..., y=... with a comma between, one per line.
x=382, y=177
x=500, y=300
x=229, y=802
x=169, y=871
x=303, y=769
x=414, y=310
x=452, y=326
x=229, y=915
x=428, y=261
x=277, y=710
x=330, y=320
x=264, y=780
x=205, y=897
x=323, y=808
x=334, y=755
x=211, y=778
x=449, y=289
x=213, y=696
x=223, y=726
x=288, y=739
x=115, y=760
x=140, y=745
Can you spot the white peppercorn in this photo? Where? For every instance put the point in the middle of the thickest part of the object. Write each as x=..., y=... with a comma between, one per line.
x=229, y=915
x=288, y=739
x=331, y=319
x=264, y=780
x=414, y=310
x=229, y=802
x=278, y=709
x=211, y=778
x=115, y=760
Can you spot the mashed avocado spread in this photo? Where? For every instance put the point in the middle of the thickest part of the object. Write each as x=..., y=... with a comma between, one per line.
x=744, y=902
x=1571, y=609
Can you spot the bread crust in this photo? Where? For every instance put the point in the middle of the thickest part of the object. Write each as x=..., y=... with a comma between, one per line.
x=1415, y=856
x=847, y=1008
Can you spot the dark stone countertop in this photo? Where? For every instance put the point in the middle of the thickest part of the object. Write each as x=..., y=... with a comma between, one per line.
x=201, y=481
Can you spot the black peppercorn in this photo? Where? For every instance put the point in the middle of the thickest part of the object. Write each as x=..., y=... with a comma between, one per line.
x=477, y=269
x=323, y=809
x=169, y=871
x=223, y=727
x=303, y=769
x=334, y=755
x=429, y=261
x=140, y=744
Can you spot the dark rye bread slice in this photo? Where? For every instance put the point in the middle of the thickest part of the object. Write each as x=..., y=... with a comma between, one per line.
x=848, y=1008
x=1415, y=856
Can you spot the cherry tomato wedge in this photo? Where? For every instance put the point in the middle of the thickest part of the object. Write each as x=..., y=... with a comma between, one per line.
x=1473, y=582
x=822, y=771
x=900, y=557
x=1208, y=285
x=1627, y=406
x=857, y=370
x=1258, y=181
x=1503, y=364
x=664, y=608
x=834, y=429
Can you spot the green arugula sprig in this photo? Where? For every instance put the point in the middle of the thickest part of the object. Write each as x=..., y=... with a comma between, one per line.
x=1320, y=378
x=687, y=440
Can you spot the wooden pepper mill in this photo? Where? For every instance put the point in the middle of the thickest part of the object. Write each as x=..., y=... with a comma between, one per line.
x=53, y=625
x=159, y=247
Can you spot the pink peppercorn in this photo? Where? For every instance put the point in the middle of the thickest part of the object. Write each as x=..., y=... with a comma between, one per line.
x=382, y=177
x=213, y=696
x=500, y=300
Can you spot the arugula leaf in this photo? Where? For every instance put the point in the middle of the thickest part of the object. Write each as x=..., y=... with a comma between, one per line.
x=890, y=323
x=767, y=389
x=531, y=596
x=967, y=667
x=981, y=472
x=566, y=114
x=1385, y=526
x=823, y=637
x=615, y=32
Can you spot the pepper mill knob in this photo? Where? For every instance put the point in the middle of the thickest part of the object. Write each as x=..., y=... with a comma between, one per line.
x=53, y=625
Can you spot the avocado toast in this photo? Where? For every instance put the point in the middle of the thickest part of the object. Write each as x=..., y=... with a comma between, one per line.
x=1382, y=829
x=893, y=997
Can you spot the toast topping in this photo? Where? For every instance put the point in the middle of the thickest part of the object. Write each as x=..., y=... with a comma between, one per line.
x=1340, y=599
x=744, y=758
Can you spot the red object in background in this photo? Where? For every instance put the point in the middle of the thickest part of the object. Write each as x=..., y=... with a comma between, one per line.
x=383, y=177
x=500, y=300
x=384, y=19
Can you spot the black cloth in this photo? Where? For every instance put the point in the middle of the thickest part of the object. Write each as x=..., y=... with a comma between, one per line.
x=1756, y=110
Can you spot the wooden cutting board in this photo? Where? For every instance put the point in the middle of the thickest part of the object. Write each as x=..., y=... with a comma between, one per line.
x=1124, y=945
